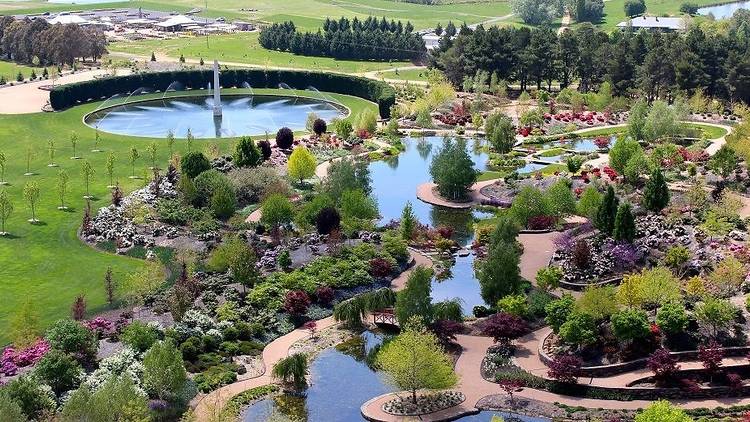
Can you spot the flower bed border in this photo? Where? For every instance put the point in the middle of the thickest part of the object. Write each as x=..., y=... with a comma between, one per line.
x=618, y=368
x=440, y=409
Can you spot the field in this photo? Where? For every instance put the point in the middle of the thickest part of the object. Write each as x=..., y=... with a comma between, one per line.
x=241, y=49
x=9, y=70
x=404, y=75
x=46, y=263
x=307, y=14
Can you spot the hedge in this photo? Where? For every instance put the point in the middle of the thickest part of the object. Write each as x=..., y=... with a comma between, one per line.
x=381, y=93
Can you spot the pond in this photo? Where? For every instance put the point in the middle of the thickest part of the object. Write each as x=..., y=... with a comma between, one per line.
x=724, y=11
x=241, y=115
x=531, y=167
x=340, y=384
x=579, y=145
x=395, y=182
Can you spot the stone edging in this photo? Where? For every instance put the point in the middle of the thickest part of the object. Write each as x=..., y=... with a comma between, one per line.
x=449, y=417
x=579, y=287
x=618, y=368
x=425, y=413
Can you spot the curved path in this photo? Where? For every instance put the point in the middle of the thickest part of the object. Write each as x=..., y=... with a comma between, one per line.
x=210, y=406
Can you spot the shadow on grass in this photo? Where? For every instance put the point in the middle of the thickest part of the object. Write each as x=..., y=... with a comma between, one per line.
x=9, y=236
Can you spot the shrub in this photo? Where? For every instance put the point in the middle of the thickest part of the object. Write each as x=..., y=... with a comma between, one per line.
x=9, y=409
x=215, y=377
x=118, y=399
x=514, y=304
x=163, y=371
x=319, y=126
x=194, y=163
x=324, y=295
x=296, y=302
x=223, y=202
x=173, y=211
x=291, y=370
x=504, y=327
x=33, y=399
x=630, y=324
x=208, y=183
x=59, y=371
x=579, y=329
x=558, y=311
x=246, y=153
x=327, y=220
x=284, y=138
x=635, y=7
x=252, y=185
x=380, y=267
x=71, y=337
x=446, y=330
x=265, y=149
x=139, y=335
x=663, y=365
x=565, y=368
x=671, y=318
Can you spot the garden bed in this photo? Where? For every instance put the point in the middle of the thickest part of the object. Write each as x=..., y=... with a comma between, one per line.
x=428, y=403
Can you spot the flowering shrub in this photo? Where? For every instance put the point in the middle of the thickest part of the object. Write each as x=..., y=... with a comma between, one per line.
x=124, y=362
x=428, y=403
x=611, y=173
x=541, y=222
x=11, y=360
x=101, y=326
x=601, y=142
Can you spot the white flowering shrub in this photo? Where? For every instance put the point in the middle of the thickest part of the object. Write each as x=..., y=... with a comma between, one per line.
x=125, y=362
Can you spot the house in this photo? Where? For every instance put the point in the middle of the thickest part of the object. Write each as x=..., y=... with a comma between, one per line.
x=655, y=23
x=176, y=23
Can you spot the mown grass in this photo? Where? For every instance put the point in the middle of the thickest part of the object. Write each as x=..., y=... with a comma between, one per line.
x=243, y=48
x=46, y=263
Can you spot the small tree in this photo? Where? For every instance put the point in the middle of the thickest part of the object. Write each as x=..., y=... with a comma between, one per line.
x=656, y=192
x=134, y=155
x=319, y=126
x=78, y=309
x=607, y=212
x=164, y=374
x=327, y=220
x=301, y=164
x=548, y=278
x=6, y=210
x=663, y=364
x=500, y=132
x=109, y=286
x=510, y=387
x=58, y=370
x=51, y=150
x=671, y=318
x=111, y=169
x=414, y=360
x=170, y=143
x=296, y=302
x=408, y=222
x=193, y=164
x=504, y=328
x=715, y=316
x=724, y=161
x=558, y=311
x=630, y=324
x=189, y=140
x=152, y=154
x=414, y=300
x=624, y=229
x=3, y=160
x=284, y=138
x=30, y=153
x=24, y=325
x=246, y=153
x=242, y=265
x=97, y=140
x=452, y=170
x=711, y=356
x=87, y=171
x=565, y=368
x=499, y=274
x=74, y=144
x=291, y=370
x=276, y=211
x=579, y=330
x=31, y=194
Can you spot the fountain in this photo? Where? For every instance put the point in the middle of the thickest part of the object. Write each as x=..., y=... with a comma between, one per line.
x=217, y=90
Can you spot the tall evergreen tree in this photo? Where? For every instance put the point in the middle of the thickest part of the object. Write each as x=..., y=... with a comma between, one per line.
x=605, y=215
x=624, y=224
x=656, y=192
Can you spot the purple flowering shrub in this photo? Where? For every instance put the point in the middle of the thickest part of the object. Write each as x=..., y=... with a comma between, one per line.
x=11, y=359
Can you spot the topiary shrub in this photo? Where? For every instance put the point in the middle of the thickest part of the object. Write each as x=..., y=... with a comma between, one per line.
x=284, y=138
x=327, y=220
x=194, y=163
x=319, y=126
x=265, y=149
x=247, y=154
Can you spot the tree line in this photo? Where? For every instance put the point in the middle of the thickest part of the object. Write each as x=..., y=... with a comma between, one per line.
x=714, y=59
x=371, y=39
x=39, y=43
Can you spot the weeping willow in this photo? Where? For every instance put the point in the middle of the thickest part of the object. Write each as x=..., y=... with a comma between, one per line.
x=353, y=310
x=292, y=369
x=448, y=309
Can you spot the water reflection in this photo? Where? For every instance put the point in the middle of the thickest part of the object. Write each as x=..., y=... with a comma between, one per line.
x=724, y=11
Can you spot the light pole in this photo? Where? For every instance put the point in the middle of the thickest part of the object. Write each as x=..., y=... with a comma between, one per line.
x=206, y=11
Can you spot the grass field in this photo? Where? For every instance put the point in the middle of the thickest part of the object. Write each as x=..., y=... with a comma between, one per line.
x=10, y=70
x=243, y=48
x=307, y=14
x=404, y=75
x=46, y=263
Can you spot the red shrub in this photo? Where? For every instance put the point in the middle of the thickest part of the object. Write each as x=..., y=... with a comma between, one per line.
x=379, y=267
x=445, y=232
x=663, y=365
x=445, y=330
x=324, y=294
x=504, y=327
x=734, y=382
x=565, y=368
x=711, y=356
x=541, y=222
x=296, y=302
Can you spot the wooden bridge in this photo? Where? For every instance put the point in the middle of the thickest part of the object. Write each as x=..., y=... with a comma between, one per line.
x=384, y=317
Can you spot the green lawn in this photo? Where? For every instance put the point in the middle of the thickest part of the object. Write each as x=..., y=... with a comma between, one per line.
x=46, y=263
x=405, y=75
x=307, y=14
x=614, y=10
x=711, y=132
x=244, y=48
x=10, y=70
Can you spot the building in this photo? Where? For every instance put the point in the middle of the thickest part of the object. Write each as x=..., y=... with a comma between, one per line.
x=655, y=23
x=177, y=23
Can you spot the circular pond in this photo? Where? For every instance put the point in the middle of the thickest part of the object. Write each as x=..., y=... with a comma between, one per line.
x=241, y=116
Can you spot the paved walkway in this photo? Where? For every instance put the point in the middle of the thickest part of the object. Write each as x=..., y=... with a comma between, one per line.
x=426, y=193
x=28, y=98
x=211, y=405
